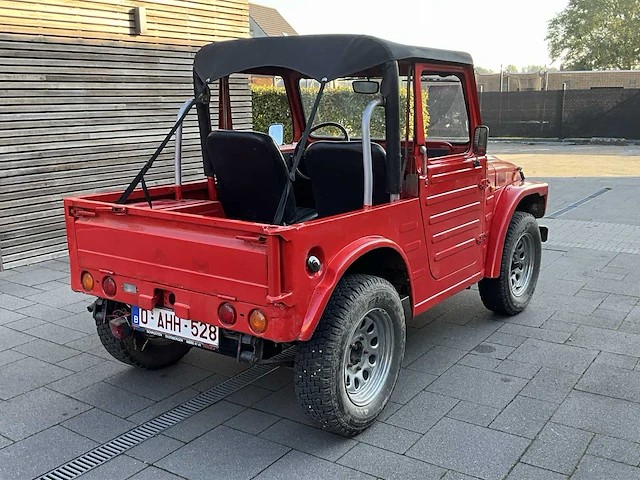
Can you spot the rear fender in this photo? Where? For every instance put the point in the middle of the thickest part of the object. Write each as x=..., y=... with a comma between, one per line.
x=507, y=203
x=335, y=270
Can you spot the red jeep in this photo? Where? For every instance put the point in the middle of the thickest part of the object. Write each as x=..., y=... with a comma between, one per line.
x=329, y=242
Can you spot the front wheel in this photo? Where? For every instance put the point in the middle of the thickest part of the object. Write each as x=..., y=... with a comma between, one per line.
x=511, y=292
x=345, y=374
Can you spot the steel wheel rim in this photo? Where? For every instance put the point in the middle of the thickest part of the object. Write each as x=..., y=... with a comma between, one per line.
x=367, y=359
x=522, y=262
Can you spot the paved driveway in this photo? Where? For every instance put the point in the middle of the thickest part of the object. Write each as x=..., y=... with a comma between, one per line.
x=550, y=394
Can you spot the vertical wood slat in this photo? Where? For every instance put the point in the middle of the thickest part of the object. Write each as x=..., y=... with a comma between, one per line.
x=83, y=104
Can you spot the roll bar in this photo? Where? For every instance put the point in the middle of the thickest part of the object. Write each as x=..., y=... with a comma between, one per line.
x=367, y=162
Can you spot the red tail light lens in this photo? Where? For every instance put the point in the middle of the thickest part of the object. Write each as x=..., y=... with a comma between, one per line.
x=227, y=314
x=109, y=286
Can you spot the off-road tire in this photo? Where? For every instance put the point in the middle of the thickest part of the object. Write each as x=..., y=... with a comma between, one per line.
x=319, y=374
x=135, y=350
x=496, y=293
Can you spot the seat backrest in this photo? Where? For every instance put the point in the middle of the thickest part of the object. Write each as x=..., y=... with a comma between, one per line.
x=251, y=175
x=337, y=176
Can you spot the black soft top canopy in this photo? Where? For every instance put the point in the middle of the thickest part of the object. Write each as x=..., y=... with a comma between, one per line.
x=314, y=56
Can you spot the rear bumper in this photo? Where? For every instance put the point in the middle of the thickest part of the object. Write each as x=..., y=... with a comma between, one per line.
x=189, y=305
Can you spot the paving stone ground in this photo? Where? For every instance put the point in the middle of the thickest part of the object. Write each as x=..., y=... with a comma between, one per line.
x=553, y=393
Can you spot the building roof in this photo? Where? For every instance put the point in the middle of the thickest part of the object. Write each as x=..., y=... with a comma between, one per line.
x=270, y=21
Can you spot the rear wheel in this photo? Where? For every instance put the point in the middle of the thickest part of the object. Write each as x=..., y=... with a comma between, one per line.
x=511, y=292
x=345, y=374
x=138, y=349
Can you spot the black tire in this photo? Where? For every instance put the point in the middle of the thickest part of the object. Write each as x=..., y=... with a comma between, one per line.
x=497, y=294
x=319, y=372
x=138, y=349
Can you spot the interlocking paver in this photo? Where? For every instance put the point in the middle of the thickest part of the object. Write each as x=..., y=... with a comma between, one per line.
x=524, y=417
x=558, y=448
x=308, y=439
x=55, y=333
x=595, y=468
x=152, y=450
x=598, y=414
x=551, y=385
x=252, y=421
x=248, y=395
x=389, y=437
x=522, y=471
x=422, y=412
x=10, y=302
x=479, y=361
x=203, y=421
x=615, y=449
x=622, y=343
x=384, y=464
x=612, y=382
x=506, y=339
x=85, y=378
x=35, y=456
x=547, y=354
x=474, y=413
x=47, y=351
x=98, y=425
x=437, y=360
x=79, y=362
x=158, y=384
x=479, y=386
x=409, y=384
x=10, y=338
x=517, y=369
x=112, y=399
x=153, y=473
x=10, y=356
x=37, y=275
x=299, y=465
x=7, y=316
x=469, y=449
x=27, y=374
x=615, y=360
x=35, y=411
x=537, y=333
x=223, y=451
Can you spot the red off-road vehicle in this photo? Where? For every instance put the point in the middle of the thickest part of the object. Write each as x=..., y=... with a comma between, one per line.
x=329, y=242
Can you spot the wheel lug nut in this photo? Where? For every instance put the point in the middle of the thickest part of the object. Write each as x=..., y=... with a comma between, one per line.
x=358, y=368
x=361, y=337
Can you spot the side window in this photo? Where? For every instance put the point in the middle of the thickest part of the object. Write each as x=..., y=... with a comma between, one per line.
x=448, y=119
x=270, y=104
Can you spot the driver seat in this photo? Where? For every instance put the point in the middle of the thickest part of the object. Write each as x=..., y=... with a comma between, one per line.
x=251, y=175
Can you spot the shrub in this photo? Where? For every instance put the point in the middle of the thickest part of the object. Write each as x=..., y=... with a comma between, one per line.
x=340, y=104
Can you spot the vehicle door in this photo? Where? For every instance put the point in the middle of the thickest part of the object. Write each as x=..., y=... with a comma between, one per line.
x=453, y=187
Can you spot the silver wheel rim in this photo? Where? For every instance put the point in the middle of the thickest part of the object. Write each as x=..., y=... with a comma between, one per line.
x=367, y=360
x=522, y=262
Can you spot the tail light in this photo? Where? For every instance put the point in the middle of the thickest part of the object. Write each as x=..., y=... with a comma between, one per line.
x=120, y=328
x=109, y=286
x=227, y=314
x=258, y=321
x=87, y=281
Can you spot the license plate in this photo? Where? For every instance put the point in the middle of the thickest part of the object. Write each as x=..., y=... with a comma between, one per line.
x=162, y=322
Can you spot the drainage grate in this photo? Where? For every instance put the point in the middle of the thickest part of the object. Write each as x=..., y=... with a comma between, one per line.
x=107, y=451
x=582, y=201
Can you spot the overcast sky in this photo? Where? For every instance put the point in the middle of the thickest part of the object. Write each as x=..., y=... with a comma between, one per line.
x=494, y=32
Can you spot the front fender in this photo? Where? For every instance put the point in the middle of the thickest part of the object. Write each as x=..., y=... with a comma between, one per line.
x=336, y=268
x=506, y=205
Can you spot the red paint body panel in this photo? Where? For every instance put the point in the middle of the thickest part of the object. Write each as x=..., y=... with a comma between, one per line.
x=449, y=234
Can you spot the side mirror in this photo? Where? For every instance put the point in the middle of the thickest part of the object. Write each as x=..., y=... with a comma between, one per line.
x=276, y=131
x=368, y=87
x=480, y=140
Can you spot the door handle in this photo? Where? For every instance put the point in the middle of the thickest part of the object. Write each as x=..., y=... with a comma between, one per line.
x=423, y=151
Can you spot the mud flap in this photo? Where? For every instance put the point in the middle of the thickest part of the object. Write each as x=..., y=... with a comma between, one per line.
x=544, y=233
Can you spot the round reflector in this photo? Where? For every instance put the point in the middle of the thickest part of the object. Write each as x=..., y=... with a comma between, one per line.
x=258, y=321
x=87, y=281
x=227, y=314
x=109, y=286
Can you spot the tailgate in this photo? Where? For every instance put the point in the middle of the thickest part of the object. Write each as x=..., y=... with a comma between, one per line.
x=210, y=256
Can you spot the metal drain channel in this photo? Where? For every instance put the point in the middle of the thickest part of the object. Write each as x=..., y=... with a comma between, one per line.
x=582, y=201
x=126, y=441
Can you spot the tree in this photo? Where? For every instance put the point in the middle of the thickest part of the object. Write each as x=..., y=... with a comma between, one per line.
x=532, y=69
x=482, y=70
x=510, y=69
x=596, y=34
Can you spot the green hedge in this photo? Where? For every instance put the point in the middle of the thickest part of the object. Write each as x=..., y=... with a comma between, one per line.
x=341, y=104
